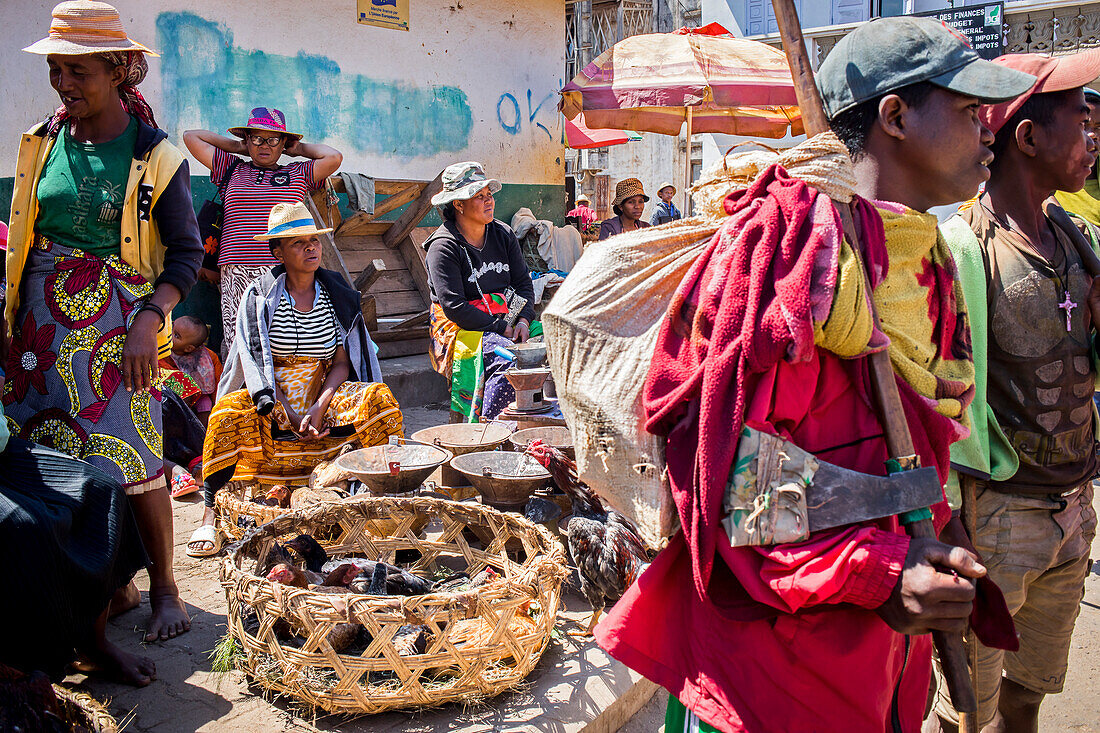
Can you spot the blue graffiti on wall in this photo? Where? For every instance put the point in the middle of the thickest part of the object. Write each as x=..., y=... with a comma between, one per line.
x=209, y=83
x=510, y=117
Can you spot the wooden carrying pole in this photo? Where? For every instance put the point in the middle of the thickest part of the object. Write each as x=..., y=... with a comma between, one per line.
x=899, y=442
x=687, y=164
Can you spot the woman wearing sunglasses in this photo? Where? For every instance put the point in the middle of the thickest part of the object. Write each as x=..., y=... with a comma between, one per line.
x=250, y=187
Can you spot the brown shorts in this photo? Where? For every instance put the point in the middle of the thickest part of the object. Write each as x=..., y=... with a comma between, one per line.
x=1036, y=549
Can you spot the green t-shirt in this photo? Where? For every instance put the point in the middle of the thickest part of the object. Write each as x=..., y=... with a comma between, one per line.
x=81, y=192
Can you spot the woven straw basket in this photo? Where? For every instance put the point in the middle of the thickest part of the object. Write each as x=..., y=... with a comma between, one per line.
x=234, y=502
x=80, y=708
x=513, y=615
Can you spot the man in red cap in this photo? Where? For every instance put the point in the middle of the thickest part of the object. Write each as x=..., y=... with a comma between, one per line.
x=1031, y=455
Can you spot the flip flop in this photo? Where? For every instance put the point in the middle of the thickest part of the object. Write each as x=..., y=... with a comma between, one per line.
x=183, y=484
x=205, y=533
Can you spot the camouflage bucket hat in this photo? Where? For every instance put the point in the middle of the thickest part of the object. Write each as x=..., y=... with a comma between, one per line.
x=462, y=181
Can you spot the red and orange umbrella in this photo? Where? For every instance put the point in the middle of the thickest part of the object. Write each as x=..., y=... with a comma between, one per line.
x=579, y=136
x=703, y=77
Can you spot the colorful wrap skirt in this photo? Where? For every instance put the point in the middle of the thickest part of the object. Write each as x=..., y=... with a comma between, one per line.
x=64, y=376
x=469, y=361
x=263, y=448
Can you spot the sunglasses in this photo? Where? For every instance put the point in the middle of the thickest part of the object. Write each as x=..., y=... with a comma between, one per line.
x=259, y=140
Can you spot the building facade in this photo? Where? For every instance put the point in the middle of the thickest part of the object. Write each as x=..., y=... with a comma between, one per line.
x=469, y=80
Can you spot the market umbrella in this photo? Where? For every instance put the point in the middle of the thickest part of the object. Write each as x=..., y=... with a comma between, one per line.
x=578, y=135
x=703, y=77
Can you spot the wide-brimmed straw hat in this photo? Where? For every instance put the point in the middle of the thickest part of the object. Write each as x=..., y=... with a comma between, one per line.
x=666, y=184
x=626, y=188
x=584, y=198
x=462, y=181
x=265, y=119
x=82, y=27
x=290, y=220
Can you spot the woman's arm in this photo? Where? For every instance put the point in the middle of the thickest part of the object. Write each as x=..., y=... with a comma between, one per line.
x=326, y=159
x=203, y=143
x=175, y=221
x=315, y=415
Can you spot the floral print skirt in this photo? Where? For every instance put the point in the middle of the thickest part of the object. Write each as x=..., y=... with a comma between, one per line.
x=64, y=376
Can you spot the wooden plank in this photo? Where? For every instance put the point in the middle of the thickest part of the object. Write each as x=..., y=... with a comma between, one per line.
x=396, y=201
x=364, y=227
x=400, y=334
x=357, y=242
x=369, y=307
x=390, y=186
x=399, y=304
x=332, y=217
x=420, y=319
x=412, y=215
x=367, y=276
x=392, y=281
x=394, y=349
x=331, y=259
x=416, y=262
x=356, y=261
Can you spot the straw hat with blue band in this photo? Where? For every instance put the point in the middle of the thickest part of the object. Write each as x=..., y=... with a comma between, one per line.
x=290, y=220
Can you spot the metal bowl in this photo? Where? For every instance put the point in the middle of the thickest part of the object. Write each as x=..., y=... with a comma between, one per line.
x=555, y=436
x=372, y=466
x=529, y=354
x=504, y=479
x=461, y=438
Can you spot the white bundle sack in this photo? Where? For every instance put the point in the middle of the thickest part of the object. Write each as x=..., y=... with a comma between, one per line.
x=600, y=329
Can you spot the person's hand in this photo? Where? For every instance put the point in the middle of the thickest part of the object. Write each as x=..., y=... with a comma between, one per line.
x=293, y=148
x=139, y=354
x=928, y=595
x=210, y=276
x=522, y=331
x=1092, y=313
x=311, y=426
x=237, y=147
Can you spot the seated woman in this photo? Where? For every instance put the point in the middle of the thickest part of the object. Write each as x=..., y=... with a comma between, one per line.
x=473, y=259
x=70, y=538
x=628, y=206
x=301, y=380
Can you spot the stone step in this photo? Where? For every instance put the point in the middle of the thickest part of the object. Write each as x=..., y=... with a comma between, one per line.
x=413, y=381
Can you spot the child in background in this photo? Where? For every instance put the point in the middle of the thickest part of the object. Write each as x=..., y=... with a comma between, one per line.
x=190, y=356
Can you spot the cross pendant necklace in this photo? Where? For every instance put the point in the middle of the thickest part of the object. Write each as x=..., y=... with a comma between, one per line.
x=1068, y=305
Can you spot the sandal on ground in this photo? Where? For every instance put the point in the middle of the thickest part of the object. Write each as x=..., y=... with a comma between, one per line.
x=205, y=533
x=183, y=484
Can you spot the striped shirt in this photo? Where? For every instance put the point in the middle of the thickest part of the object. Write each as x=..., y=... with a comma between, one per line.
x=249, y=197
x=311, y=333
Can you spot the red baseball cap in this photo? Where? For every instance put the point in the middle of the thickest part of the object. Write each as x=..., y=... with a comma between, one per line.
x=1052, y=73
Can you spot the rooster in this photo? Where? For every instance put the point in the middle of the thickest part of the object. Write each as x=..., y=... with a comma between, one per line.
x=604, y=544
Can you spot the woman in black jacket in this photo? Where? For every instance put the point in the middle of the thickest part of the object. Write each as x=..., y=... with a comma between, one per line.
x=475, y=271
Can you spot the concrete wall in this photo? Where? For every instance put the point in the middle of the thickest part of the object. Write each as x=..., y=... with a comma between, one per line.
x=471, y=80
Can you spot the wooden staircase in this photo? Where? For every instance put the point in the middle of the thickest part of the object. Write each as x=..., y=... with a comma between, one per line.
x=383, y=260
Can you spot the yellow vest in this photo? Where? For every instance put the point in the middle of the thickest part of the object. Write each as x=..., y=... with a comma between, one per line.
x=141, y=246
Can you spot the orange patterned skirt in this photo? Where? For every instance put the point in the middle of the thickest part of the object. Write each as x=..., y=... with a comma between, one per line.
x=238, y=435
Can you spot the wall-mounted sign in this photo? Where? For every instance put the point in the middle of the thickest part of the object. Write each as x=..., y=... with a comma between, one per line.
x=983, y=26
x=384, y=13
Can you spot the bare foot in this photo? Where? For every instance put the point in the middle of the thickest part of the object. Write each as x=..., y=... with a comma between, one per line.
x=169, y=617
x=126, y=598
x=113, y=663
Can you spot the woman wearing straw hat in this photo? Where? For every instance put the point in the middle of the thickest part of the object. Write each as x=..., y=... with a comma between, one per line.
x=628, y=206
x=665, y=211
x=473, y=262
x=302, y=378
x=250, y=187
x=103, y=244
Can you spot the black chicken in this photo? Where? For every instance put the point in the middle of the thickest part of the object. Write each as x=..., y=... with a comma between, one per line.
x=604, y=544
